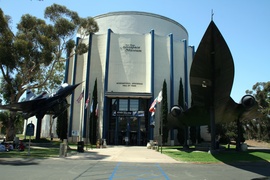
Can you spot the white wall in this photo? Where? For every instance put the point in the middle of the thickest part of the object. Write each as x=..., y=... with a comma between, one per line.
x=132, y=22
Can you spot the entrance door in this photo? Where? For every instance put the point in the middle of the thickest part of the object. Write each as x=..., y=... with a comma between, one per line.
x=128, y=131
x=127, y=123
x=134, y=131
x=122, y=130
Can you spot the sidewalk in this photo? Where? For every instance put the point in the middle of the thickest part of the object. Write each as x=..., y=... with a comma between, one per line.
x=124, y=154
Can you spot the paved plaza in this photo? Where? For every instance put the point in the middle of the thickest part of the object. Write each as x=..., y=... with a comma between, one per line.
x=121, y=162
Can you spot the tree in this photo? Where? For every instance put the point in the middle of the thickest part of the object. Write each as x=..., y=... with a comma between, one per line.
x=4, y=118
x=93, y=116
x=62, y=125
x=228, y=132
x=260, y=128
x=31, y=58
x=181, y=131
x=261, y=92
x=164, y=107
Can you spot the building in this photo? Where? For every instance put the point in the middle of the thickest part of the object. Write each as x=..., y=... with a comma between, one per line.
x=130, y=57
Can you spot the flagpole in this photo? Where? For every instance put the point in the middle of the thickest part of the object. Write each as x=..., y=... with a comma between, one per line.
x=88, y=118
x=161, y=119
x=80, y=124
x=85, y=110
x=152, y=108
x=81, y=119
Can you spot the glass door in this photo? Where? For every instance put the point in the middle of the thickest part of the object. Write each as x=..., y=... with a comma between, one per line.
x=133, y=134
x=122, y=130
x=127, y=124
x=128, y=131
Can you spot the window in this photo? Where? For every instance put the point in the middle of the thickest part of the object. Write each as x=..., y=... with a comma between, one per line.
x=123, y=104
x=134, y=105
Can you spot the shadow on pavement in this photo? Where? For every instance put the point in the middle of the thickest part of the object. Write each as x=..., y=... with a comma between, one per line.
x=246, y=160
x=86, y=155
x=18, y=162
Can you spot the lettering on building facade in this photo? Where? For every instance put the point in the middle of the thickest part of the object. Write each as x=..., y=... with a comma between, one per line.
x=131, y=48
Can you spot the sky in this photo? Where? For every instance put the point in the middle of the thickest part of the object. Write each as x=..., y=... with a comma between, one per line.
x=244, y=24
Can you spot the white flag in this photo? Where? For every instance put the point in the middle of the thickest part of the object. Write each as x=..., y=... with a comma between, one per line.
x=159, y=98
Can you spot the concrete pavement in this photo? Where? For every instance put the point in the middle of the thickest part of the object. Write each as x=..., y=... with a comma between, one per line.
x=125, y=154
x=121, y=163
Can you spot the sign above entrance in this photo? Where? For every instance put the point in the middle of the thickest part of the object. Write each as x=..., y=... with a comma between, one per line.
x=123, y=113
x=128, y=113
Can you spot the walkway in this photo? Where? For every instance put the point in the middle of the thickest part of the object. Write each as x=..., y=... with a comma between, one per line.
x=125, y=154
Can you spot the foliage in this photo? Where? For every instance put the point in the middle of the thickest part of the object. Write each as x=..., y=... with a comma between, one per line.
x=194, y=131
x=260, y=128
x=261, y=91
x=4, y=118
x=181, y=131
x=62, y=125
x=164, y=102
x=93, y=116
x=181, y=101
x=228, y=132
x=33, y=58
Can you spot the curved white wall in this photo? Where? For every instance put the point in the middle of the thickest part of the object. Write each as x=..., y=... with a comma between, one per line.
x=133, y=22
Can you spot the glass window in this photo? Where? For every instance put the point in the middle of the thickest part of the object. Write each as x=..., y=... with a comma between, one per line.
x=123, y=104
x=134, y=104
x=114, y=104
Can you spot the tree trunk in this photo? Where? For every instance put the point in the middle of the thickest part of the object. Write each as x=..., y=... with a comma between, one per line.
x=51, y=126
x=10, y=131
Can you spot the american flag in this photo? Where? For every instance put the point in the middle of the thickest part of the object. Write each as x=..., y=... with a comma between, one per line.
x=153, y=106
x=80, y=97
x=87, y=102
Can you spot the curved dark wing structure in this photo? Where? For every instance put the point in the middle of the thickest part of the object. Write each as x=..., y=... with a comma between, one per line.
x=25, y=106
x=212, y=70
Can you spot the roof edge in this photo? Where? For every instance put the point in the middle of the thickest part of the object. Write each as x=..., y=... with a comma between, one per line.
x=141, y=13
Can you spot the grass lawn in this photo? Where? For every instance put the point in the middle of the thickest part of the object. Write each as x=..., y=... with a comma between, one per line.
x=43, y=148
x=34, y=153
x=225, y=156
x=39, y=152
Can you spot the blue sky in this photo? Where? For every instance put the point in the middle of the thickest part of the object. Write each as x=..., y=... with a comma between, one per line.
x=245, y=25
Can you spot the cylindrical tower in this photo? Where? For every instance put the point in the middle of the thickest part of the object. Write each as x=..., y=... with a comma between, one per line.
x=130, y=57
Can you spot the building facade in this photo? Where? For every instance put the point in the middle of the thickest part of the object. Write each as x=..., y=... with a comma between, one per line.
x=130, y=57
